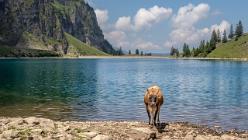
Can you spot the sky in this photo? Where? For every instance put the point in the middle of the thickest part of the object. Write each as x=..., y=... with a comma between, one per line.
x=157, y=25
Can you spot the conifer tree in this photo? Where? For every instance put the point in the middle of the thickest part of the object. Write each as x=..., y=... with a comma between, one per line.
x=230, y=36
x=224, y=39
x=239, y=29
x=137, y=51
x=218, y=36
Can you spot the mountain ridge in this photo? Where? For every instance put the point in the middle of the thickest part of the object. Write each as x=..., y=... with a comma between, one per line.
x=43, y=24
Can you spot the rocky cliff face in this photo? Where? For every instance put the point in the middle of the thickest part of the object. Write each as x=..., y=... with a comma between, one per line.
x=46, y=22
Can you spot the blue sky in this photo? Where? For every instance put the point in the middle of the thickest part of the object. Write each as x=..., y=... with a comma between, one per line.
x=156, y=25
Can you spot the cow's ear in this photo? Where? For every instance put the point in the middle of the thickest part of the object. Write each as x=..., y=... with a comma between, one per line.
x=147, y=90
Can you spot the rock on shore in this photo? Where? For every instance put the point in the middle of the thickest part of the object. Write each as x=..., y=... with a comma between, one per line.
x=40, y=128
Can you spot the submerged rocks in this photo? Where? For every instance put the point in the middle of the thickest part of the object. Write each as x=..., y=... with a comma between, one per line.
x=40, y=128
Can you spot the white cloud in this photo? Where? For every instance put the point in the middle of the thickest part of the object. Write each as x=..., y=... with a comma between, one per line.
x=145, y=45
x=123, y=23
x=189, y=15
x=117, y=38
x=147, y=17
x=224, y=25
x=144, y=18
x=184, y=30
x=102, y=16
x=120, y=39
x=124, y=32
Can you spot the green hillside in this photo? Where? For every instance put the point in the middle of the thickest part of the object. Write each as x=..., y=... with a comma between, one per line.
x=7, y=51
x=232, y=49
x=78, y=47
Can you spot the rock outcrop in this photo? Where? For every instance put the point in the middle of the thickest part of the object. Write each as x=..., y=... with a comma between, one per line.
x=24, y=23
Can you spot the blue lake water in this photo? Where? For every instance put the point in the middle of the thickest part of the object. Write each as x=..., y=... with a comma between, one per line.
x=199, y=91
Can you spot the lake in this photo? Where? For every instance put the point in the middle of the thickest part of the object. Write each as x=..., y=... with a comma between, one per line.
x=213, y=93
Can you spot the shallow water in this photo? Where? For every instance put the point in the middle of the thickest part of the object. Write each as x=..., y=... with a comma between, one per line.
x=199, y=91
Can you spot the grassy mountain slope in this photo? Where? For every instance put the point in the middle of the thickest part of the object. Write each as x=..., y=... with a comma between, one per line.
x=78, y=47
x=43, y=26
x=232, y=49
x=6, y=51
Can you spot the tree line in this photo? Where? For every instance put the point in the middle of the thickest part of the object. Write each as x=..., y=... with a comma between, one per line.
x=206, y=47
x=120, y=52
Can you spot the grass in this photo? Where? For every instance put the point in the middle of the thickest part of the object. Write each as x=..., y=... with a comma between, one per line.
x=28, y=3
x=62, y=10
x=7, y=51
x=232, y=49
x=78, y=47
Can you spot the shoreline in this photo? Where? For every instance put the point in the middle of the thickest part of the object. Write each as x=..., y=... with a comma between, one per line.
x=41, y=128
x=130, y=57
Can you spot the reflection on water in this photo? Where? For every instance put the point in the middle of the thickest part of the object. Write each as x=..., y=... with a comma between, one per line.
x=206, y=92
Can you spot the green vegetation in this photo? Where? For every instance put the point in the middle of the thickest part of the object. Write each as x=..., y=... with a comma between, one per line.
x=119, y=52
x=219, y=46
x=28, y=39
x=224, y=39
x=62, y=10
x=231, y=34
x=28, y=3
x=174, y=52
x=7, y=51
x=77, y=47
x=186, y=50
x=232, y=49
x=239, y=29
x=137, y=51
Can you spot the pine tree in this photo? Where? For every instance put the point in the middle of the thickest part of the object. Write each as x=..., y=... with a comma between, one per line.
x=214, y=36
x=172, y=51
x=177, y=52
x=239, y=29
x=193, y=52
x=186, y=50
x=231, y=32
x=218, y=36
x=137, y=51
x=120, y=52
x=129, y=52
x=213, y=41
x=141, y=53
x=224, y=39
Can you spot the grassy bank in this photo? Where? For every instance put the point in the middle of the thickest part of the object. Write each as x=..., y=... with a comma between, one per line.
x=79, y=48
x=231, y=49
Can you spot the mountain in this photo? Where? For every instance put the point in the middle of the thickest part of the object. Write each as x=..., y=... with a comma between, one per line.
x=232, y=49
x=52, y=26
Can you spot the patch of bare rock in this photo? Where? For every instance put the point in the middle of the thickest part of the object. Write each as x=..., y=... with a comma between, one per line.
x=33, y=128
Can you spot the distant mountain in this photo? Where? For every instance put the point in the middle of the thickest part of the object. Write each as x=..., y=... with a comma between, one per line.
x=232, y=49
x=50, y=26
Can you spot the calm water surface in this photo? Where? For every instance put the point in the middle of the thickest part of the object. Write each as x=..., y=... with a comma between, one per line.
x=206, y=92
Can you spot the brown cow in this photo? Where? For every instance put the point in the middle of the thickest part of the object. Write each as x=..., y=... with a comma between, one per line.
x=153, y=100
